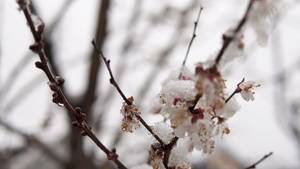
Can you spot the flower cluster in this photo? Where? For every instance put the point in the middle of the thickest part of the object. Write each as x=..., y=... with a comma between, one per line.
x=194, y=106
x=130, y=121
x=195, y=109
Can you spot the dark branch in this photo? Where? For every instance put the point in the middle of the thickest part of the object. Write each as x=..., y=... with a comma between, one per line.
x=32, y=140
x=191, y=42
x=168, y=150
x=259, y=161
x=95, y=64
x=56, y=86
x=114, y=83
x=235, y=91
x=228, y=40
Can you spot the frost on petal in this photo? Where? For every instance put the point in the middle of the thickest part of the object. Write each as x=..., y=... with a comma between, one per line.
x=142, y=166
x=164, y=131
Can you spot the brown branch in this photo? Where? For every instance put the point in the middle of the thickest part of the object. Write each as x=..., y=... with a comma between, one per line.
x=121, y=67
x=32, y=140
x=114, y=83
x=191, y=42
x=56, y=83
x=168, y=150
x=228, y=40
x=259, y=161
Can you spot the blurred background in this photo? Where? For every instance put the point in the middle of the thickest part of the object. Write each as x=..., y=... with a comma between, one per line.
x=145, y=40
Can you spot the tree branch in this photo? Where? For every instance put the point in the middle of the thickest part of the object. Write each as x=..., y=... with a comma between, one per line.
x=191, y=42
x=259, y=161
x=114, y=83
x=234, y=92
x=56, y=84
x=32, y=140
x=228, y=40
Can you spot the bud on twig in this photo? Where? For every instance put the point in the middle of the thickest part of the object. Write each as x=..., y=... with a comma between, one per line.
x=39, y=65
x=36, y=47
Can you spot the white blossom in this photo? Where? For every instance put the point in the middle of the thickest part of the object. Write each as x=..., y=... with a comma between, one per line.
x=130, y=121
x=246, y=90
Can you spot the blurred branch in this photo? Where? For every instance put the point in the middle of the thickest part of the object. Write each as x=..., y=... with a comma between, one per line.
x=56, y=84
x=228, y=40
x=21, y=94
x=48, y=45
x=13, y=75
x=31, y=140
x=255, y=164
x=90, y=93
x=58, y=17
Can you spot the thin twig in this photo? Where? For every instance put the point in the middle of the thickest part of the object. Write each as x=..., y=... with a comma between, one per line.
x=259, y=161
x=112, y=79
x=56, y=86
x=235, y=91
x=191, y=42
x=114, y=83
x=228, y=40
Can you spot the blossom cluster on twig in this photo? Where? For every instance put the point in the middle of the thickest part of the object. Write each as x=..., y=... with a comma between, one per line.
x=194, y=105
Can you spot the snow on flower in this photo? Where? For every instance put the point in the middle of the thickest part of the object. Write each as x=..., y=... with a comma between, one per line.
x=229, y=110
x=130, y=121
x=177, y=95
x=246, y=90
x=178, y=158
x=164, y=131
